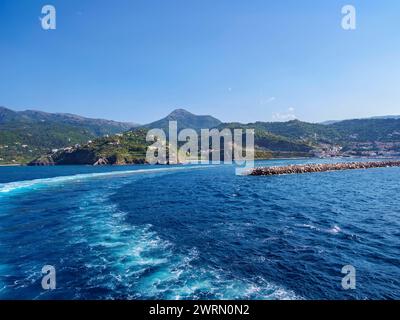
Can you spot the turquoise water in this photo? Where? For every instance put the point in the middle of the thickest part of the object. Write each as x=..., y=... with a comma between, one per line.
x=198, y=232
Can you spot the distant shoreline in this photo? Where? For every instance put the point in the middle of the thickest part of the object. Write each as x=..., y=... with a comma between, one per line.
x=134, y=164
x=12, y=165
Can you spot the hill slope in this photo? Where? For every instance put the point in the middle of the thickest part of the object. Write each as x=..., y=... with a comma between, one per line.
x=272, y=139
x=364, y=130
x=25, y=135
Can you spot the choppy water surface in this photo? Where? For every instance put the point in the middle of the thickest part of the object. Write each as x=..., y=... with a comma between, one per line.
x=189, y=232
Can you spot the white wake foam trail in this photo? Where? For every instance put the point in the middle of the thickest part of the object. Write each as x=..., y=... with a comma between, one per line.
x=26, y=184
x=134, y=262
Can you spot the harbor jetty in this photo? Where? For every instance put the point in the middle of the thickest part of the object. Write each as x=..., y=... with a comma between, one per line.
x=321, y=167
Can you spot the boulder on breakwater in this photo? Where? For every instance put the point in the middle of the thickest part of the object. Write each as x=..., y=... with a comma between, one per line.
x=321, y=167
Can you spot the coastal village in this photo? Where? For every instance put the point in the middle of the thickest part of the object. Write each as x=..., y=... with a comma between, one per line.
x=358, y=149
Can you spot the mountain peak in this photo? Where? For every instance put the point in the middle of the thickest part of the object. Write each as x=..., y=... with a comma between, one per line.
x=180, y=112
x=6, y=114
x=4, y=109
x=186, y=119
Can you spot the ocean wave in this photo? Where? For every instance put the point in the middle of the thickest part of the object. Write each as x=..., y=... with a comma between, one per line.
x=334, y=230
x=36, y=183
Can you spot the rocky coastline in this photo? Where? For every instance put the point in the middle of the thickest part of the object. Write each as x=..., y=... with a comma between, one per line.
x=321, y=167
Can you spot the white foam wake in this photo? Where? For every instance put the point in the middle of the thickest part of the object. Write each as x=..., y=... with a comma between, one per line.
x=134, y=262
x=26, y=184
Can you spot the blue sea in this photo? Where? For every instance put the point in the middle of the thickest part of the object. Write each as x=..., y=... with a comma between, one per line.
x=198, y=232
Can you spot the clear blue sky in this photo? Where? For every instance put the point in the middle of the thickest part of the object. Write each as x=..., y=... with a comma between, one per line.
x=239, y=60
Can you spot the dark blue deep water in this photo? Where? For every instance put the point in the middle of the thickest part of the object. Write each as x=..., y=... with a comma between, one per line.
x=198, y=233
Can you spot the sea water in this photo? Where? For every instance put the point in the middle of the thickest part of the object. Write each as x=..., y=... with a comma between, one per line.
x=198, y=232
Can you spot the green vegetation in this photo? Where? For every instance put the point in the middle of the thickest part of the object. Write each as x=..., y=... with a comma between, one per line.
x=130, y=148
x=26, y=135
x=295, y=131
x=127, y=148
x=28, y=141
x=362, y=130
x=29, y=135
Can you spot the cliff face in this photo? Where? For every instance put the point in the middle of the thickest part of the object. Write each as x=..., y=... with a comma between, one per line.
x=84, y=157
x=77, y=156
x=65, y=158
x=42, y=161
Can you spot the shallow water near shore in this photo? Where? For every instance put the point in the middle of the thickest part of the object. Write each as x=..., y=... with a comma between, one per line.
x=196, y=232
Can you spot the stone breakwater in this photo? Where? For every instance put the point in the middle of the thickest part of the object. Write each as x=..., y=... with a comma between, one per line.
x=322, y=167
